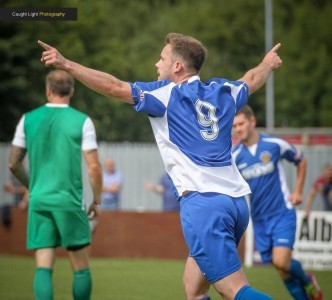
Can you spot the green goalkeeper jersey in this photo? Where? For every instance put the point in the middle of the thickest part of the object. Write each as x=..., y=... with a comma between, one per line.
x=53, y=141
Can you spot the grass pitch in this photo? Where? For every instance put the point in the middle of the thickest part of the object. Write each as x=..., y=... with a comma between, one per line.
x=131, y=279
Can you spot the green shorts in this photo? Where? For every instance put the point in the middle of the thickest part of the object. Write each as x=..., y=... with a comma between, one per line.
x=49, y=229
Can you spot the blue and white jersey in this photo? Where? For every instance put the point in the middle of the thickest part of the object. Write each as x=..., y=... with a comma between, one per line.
x=260, y=165
x=192, y=124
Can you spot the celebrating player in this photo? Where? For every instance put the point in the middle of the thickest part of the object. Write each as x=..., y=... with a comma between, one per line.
x=258, y=157
x=192, y=123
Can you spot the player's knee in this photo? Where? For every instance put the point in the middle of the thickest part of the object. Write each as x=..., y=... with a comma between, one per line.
x=281, y=264
x=193, y=292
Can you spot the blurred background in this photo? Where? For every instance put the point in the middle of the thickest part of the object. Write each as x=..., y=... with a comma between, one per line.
x=125, y=38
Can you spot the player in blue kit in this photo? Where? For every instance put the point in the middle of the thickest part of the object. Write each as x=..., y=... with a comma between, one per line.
x=258, y=157
x=192, y=123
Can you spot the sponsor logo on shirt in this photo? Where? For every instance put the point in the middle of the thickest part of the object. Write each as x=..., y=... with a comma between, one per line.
x=257, y=170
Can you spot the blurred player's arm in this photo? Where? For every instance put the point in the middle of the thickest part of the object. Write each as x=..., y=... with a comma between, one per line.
x=101, y=82
x=96, y=181
x=310, y=200
x=157, y=188
x=257, y=77
x=16, y=166
x=296, y=196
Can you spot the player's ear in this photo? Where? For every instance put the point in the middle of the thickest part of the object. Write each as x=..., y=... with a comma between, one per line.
x=178, y=66
x=48, y=92
x=253, y=121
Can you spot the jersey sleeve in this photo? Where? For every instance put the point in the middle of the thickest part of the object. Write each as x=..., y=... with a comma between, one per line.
x=290, y=152
x=19, y=136
x=89, y=140
x=151, y=98
x=239, y=92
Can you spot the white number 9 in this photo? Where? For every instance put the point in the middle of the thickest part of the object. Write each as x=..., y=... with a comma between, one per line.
x=207, y=118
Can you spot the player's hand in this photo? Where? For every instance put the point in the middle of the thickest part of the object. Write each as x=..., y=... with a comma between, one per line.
x=296, y=198
x=52, y=57
x=272, y=58
x=94, y=211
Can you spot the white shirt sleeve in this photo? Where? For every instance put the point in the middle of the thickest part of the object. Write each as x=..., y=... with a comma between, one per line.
x=19, y=137
x=89, y=140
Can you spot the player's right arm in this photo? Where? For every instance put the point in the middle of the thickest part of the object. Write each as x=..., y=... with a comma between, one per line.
x=101, y=82
x=16, y=166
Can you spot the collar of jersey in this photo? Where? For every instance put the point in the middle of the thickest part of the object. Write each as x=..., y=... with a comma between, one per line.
x=194, y=78
x=56, y=105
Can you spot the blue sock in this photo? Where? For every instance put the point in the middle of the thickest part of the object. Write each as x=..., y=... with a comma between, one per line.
x=248, y=293
x=296, y=289
x=206, y=298
x=296, y=271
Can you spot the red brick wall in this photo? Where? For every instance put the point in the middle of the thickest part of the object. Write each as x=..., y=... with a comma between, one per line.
x=118, y=234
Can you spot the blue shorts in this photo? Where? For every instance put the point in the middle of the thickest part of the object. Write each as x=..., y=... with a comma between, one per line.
x=213, y=225
x=276, y=231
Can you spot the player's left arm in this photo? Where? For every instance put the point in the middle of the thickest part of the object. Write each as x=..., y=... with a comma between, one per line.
x=16, y=166
x=257, y=77
x=96, y=181
x=296, y=196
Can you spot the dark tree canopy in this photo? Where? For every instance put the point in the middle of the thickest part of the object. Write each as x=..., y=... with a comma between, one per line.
x=126, y=40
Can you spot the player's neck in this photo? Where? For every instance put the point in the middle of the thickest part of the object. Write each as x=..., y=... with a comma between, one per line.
x=184, y=78
x=58, y=100
x=252, y=139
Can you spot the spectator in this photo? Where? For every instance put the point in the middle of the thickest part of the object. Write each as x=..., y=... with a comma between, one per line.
x=170, y=203
x=112, y=185
x=322, y=186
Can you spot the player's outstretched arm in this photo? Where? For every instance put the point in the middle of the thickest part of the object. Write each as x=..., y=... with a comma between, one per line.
x=257, y=77
x=101, y=82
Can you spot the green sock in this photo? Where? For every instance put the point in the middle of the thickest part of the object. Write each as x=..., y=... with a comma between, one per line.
x=42, y=284
x=82, y=285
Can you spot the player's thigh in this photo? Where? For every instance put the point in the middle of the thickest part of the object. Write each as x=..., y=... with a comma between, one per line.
x=74, y=228
x=42, y=231
x=210, y=224
x=284, y=230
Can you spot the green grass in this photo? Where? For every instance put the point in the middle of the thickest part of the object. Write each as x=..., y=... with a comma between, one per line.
x=130, y=279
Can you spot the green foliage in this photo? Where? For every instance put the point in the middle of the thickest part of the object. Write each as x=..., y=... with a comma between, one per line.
x=125, y=39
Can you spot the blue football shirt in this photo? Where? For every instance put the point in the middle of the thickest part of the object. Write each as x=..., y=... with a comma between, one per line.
x=192, y=124
x=261, y=166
